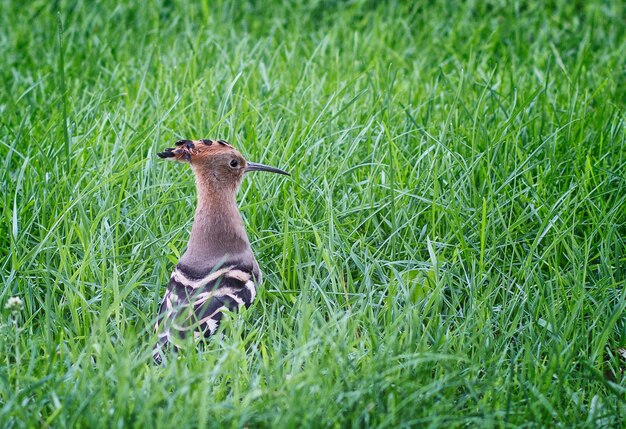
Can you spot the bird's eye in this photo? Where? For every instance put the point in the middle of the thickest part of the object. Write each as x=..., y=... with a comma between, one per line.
x=234, y=163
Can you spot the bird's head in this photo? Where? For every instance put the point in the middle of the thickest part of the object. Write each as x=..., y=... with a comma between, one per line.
x=216, y=164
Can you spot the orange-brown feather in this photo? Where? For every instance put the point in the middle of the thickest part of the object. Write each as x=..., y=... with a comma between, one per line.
x=192, y=150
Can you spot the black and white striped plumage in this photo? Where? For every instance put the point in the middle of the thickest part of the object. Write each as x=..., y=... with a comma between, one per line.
x=193, y=301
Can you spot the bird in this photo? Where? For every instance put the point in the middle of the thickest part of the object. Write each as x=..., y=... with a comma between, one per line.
x=218, y=270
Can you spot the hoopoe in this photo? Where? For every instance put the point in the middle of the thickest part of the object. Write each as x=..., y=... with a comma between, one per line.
x=217, y=270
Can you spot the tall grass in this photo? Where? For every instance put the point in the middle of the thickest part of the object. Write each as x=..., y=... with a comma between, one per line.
x=450, y=250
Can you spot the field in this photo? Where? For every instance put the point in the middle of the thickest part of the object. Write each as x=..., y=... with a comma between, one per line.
x=449, y=251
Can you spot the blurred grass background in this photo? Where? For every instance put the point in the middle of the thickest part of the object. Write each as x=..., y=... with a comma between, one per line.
x=448, y=252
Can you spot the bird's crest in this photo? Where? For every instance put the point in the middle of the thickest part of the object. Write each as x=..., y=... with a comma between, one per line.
x=187, y=150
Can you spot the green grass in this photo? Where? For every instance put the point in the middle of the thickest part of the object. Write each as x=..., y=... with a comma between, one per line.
x=449, y=251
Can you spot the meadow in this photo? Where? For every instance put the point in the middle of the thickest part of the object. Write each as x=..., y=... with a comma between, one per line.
x=449, y=250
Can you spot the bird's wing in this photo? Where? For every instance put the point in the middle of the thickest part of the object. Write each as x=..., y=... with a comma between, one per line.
x=193, y=302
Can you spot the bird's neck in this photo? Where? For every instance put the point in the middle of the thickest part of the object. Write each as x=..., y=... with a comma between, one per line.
x=217, y=233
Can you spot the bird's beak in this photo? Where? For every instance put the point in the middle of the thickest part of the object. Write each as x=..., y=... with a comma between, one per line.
x=253, y=166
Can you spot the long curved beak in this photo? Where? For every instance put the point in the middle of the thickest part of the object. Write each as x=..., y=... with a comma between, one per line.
x=253, y=166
